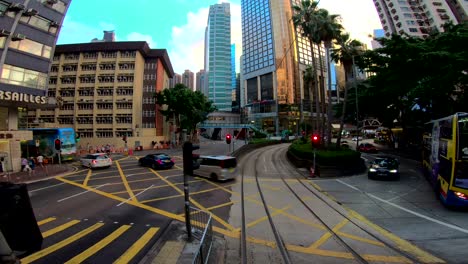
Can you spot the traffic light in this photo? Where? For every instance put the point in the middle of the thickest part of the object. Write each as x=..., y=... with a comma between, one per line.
x=188, y=157
x=228, y=138
x=315, y=140
x=58, y=144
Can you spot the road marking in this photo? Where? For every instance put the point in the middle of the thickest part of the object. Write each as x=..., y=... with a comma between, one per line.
x=66, y=198
x=47, y=220
x=59, y=228
x=327, y=235
x=407, y=210
x=40, y=189
x=125, y=182
x=80, y=258
x=85, y=183
x=137, y=246
x=61, y=244
x=136, y=195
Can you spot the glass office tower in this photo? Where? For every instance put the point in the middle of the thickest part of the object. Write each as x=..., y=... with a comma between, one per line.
x=218, y=65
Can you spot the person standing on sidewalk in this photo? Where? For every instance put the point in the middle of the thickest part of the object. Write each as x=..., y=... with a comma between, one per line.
x=40, y=163
x=32, y=165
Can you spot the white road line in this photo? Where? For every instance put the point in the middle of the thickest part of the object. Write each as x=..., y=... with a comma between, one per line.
x=40, y=189
x=66, y=198
x=407, y=210
x=135, y=195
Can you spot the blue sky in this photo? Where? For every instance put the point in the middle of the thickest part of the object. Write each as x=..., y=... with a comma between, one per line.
x=179, y=25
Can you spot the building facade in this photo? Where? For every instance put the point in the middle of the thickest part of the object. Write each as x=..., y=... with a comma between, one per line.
x=274, y=62
x=28, y=33
x=200, y=80
x=218, y=66
x=188, y=79
x=105, y=91
x=177, y=78
x=418, y=18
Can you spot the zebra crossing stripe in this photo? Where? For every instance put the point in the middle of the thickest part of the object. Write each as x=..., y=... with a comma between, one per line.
x=137, y=246
x=80, y=258
x=59, y=228
x=61, y=244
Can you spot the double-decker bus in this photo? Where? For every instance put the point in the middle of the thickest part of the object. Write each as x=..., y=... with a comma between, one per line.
x=445, y=158
x=43, y=142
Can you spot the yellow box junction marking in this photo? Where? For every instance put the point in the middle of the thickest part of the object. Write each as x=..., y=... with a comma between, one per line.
x=137, y=246
x=327, y=235
x=59, y=245
x=85, y=182
x=80, y=258
x=59, y=228
x=47, y=220
x=125, y=182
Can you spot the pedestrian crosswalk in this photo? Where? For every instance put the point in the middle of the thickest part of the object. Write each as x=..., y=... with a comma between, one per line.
x=85, y=241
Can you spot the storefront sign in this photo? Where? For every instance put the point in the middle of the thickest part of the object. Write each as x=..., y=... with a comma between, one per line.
x=22, y=97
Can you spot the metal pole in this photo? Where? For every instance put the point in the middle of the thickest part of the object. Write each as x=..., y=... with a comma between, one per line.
x=357, y=108
x=60, y=157
x=188, y=225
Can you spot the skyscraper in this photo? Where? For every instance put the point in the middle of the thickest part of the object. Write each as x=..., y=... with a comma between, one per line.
x=416, y=18
x=200, y=80
x=218, y=66
x=28, y=33
x=275, y=59
x=188, y=79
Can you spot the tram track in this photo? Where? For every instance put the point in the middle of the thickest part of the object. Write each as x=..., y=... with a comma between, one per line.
x=294, y=183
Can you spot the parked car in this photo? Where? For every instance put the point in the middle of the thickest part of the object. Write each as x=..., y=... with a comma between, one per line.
x=356, y=138
x=157, y=161
x=385, y=167
x=217, y=167
x=96, y=160
x=367, y=147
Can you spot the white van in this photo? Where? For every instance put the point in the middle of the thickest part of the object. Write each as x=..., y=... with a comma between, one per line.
x=217, y=167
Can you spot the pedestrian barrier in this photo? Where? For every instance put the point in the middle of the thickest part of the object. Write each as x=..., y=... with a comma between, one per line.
x=202, y=227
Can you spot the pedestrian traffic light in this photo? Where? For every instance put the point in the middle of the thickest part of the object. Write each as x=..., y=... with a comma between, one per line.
x=188, y=157
x=58, y=144
x=228, y=138
x=315, y=140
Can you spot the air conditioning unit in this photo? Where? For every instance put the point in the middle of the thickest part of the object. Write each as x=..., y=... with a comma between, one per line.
x=53, y=24
x=17, y=37
x=30, y=12
x=4, y=33
x=51, y=2
x=15, y=7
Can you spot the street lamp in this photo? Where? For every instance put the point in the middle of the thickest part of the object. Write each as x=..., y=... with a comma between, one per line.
x=357, y=107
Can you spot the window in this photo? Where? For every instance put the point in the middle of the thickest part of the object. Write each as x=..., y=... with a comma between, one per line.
x=20, y=76
x=32, y=47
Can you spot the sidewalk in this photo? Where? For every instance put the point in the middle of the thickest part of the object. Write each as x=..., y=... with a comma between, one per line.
x=53, y=170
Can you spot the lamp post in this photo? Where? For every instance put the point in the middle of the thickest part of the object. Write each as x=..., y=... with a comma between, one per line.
x=357, y=107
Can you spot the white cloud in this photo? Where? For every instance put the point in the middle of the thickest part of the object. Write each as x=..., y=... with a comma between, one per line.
x=135, y=36
x=74, y=32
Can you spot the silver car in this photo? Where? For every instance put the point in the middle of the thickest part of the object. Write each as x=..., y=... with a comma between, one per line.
x=218, y=167
x=97, y=160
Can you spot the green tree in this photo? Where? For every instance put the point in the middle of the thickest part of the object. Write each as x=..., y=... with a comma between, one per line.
x=186, y=107
x=344, y=53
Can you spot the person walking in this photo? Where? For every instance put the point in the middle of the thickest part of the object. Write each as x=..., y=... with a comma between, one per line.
x=24, y=163
x=32, y=165
x=40, y=163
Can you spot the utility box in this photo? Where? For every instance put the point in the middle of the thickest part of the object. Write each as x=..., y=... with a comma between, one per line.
x=17, y=221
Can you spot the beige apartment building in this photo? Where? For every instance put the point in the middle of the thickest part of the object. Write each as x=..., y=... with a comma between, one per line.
x=105, y=91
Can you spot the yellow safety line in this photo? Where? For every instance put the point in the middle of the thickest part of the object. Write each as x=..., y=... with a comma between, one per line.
x=215, y=217
x=402, y=244
x=362, y=239
x=85, y=182
x=262, y=219
x=327, y=235
x=120, y=199
x=162, y=198
x=59, y=228
x=47, y=220
x=137, y=246
x=60, y=244
x=125, y=182
x=104, y=178
x=80, y=258
x=219, y=206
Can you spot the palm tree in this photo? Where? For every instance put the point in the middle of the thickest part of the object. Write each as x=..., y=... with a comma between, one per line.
x=345, y=53
x=309, y=82
x=304, y=19
x=328, y=29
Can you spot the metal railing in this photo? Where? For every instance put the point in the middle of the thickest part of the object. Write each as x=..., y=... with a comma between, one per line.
x=202, y=227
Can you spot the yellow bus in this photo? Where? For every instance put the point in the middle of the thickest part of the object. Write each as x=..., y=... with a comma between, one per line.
x=445, y=158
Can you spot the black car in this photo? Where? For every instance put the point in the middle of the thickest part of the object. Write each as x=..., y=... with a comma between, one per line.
x=384, y=167
x=157, y=161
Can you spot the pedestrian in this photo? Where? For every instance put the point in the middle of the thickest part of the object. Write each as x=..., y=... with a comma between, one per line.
x=40, y=163
x=31, y=164
x=24, y=163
